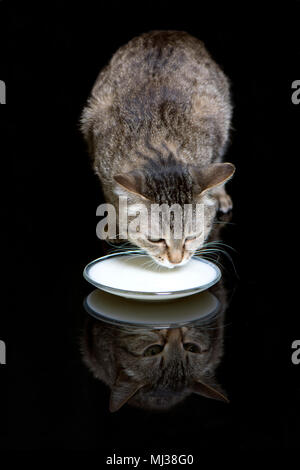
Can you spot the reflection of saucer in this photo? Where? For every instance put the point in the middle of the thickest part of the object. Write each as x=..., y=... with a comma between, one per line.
x=168, y=314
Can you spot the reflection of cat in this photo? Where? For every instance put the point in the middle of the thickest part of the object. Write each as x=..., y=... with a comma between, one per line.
x=157, y=125
x=156, y=369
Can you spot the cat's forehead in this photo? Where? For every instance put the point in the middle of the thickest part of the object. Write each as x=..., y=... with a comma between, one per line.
x=170, y=189
x=168, y=180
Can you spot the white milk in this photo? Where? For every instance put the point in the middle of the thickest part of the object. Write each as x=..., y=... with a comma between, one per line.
x=140, y=274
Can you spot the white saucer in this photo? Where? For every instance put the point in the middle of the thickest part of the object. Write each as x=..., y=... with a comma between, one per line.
x=132, y=276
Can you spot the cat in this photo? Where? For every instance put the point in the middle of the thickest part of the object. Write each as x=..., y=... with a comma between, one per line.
x=159, y=368
x=157, y=126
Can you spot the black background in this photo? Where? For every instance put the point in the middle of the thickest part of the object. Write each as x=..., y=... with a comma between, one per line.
x=50, y=56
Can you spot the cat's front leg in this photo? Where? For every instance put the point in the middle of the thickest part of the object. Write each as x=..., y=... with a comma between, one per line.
x=224, y=200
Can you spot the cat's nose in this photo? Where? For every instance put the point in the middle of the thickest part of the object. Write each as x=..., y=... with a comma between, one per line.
x=174, y=335
x=175, y=256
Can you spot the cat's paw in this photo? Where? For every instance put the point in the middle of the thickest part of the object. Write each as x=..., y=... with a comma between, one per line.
x=224, y=201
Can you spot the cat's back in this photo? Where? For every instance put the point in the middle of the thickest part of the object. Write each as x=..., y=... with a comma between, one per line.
x=160, y=53
x=162, y=57
x=164, y=84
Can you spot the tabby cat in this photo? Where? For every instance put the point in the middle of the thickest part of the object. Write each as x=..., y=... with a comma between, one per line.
x=157, y=124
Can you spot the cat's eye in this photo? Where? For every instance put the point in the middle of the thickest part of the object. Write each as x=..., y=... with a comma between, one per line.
x=153, y=350
x=192, y=347
x=156, y=240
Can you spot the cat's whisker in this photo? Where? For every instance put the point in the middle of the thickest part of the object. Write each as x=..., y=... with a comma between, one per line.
x=218, y=242
x=125, y=250
x=211, y=258
x=119, y=245
x=150, y=263
x=216, y=247
x=132, y=254
x=224, y=223
x=128, y=251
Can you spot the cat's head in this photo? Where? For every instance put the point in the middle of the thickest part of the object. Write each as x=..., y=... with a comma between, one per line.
x=171, y=239
x=155, y=369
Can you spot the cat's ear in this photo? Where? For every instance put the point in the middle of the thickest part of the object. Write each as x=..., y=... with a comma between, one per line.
x=210, y=177
x=209, y=391
x=123, y=389
x=133, y=181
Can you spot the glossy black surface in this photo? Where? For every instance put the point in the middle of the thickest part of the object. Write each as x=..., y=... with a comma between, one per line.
x=51, y=58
